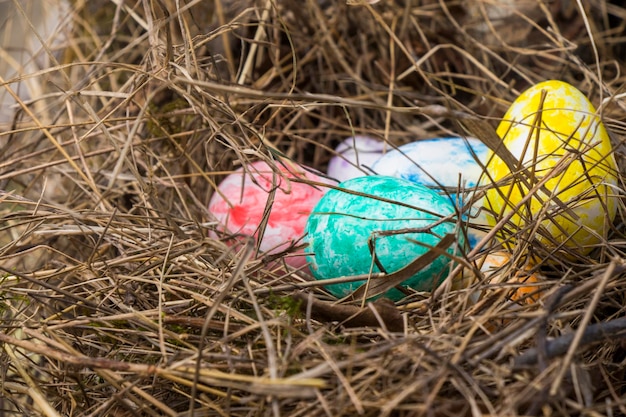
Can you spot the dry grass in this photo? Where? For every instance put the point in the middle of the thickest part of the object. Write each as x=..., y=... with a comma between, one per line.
x=117, y=301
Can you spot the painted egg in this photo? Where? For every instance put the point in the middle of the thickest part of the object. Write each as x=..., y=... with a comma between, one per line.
x=444, y=164
x=525, y=283
x=360, y=218
x=565, y=174
x=354, y=157
x=441, y=163
x=240, y=202
x=522, y=284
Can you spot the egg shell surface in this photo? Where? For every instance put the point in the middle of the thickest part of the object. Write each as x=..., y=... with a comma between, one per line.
x=354, y=157
x=566, y=135
x=450, y=164
x=341, y=224
x=437, y=163
x=241, y=200
x=492, y=267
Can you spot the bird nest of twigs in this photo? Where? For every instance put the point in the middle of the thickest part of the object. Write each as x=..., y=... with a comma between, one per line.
x=119, y=296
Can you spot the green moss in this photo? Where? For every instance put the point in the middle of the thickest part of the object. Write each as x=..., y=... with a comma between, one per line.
x=287, y=304
x=163, y=119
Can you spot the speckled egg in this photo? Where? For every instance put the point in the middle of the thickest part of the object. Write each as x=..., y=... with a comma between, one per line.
x=354, y=157
x=444, y=164
x=567, y=158
x=345, y=219
x=240, y=202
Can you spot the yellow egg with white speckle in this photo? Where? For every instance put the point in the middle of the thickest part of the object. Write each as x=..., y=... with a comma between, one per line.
x=559, y=187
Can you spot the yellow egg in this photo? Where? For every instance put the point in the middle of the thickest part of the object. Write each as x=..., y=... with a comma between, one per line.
x=565, y=174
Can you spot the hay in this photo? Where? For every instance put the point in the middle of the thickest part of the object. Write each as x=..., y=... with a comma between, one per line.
x=118, y=297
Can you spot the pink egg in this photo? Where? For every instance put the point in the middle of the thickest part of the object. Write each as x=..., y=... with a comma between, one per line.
x=242, y=196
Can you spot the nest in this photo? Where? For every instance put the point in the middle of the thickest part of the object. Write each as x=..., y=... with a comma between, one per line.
x=120, y=297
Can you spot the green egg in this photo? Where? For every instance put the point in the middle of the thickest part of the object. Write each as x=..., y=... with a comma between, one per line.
x=341, y=224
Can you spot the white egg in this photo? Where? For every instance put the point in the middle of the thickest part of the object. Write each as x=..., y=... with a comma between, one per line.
x=438, y=163
x=354, y=157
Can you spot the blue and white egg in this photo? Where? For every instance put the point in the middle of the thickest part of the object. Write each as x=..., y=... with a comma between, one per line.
x=447, y=165
x=354, y=157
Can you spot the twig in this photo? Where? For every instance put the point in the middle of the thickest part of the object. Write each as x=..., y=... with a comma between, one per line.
x=595, y=333
x=353, y=316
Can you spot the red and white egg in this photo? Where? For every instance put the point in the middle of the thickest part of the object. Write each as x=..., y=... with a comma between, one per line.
x=240, y=203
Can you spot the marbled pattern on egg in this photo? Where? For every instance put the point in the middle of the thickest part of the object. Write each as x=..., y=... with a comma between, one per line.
x=240, y=203
x=341, y=224
x=436, y=162
x=573, y=139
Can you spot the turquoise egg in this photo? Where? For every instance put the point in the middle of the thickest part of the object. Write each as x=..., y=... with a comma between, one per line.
x=342, y=223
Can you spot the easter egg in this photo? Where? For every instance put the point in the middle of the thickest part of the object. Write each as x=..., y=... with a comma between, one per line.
x=524, y=282
x=498, y=270
x=441, y=163
x=354, y=157
x=240, y=202
x=367, y=211
x=445, y=164
x=561, y=189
